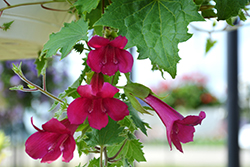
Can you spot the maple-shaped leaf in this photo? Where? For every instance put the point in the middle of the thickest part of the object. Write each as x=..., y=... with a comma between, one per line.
x=106, y=136
x=229, y=8
x=66, y=38
x=155, y=27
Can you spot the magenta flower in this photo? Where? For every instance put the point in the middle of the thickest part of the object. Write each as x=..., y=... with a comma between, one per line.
x=109, y=56
x=55, y=138
x=179, y=129
x=96, y=103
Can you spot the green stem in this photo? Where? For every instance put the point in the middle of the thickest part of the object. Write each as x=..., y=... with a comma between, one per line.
x=38, y=88
x=103, y=3
x=27, y=4
x=44, y=82
x=101, y=151
x=105, y=156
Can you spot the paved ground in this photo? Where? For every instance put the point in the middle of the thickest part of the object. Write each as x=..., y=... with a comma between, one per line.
x=157, y=156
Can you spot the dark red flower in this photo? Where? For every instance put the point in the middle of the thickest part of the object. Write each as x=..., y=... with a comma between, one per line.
x=179, y=129
x=109, y=56
x=55, y=138
x=96, y=103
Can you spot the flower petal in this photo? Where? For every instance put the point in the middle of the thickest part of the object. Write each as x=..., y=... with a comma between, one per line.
x=116, y=109
x=185, y=133
x=108, y=91
x=110, y=62
x=38, y=144
x=176, y=142
x=119, y=42
x=97, y=42
x=109, y=68
x=98, y=118
x=96, y=83
x=95, y=58
x=68, y=149
x=125, y=60
x=85, y=91
x=71, y=127
x=193, y=120
x=51, y=156
x=55, y=126
x=39, y=130
x=78, y=110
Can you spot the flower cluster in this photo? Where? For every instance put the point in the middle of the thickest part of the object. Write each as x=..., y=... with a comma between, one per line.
x=97, y=102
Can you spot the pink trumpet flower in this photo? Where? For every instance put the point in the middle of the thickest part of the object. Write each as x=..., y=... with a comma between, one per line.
x=179, y=129
x=55, y=138
x=96, y=103
x=109, y=56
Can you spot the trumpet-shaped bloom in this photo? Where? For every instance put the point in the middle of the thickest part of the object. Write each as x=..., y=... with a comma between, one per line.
x=55, y=138
x=96, y=103
x=109, y=56
x=179, y=129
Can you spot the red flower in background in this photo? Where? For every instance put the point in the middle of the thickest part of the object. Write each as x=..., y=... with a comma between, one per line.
x=179, y=129
x=55, y=138
x=96, y=103
x=109, y=56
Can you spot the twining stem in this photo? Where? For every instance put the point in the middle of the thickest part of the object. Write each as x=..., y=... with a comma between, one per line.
x=52, y=9
x=38, y=88
x=27, y=4
x=7, y=3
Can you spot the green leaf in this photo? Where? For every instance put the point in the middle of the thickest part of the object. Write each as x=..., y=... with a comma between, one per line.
x=229, y=8
x=19, y=87
x=61, y=110
x=82, y=146
x=41, y=64
x=92, y=17
x=66, y=38
x=86, y=5
x=94, y=162
x=79, y=47
x=137, y=90
x=155, y=27
x=242, y=16
x=106, y=136
x=132, y=151
x=6, y=26
x=136, y=104
x=137, y=120
x=209, y=13
x=128, y=122
x=210, y=43
x=72, y=92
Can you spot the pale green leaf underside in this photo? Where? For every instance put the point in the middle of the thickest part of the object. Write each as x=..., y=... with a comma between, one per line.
x=66, y=38
x=229, y=8
x=154, y=27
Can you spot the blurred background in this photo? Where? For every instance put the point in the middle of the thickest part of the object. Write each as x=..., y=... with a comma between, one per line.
x=200, y=85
